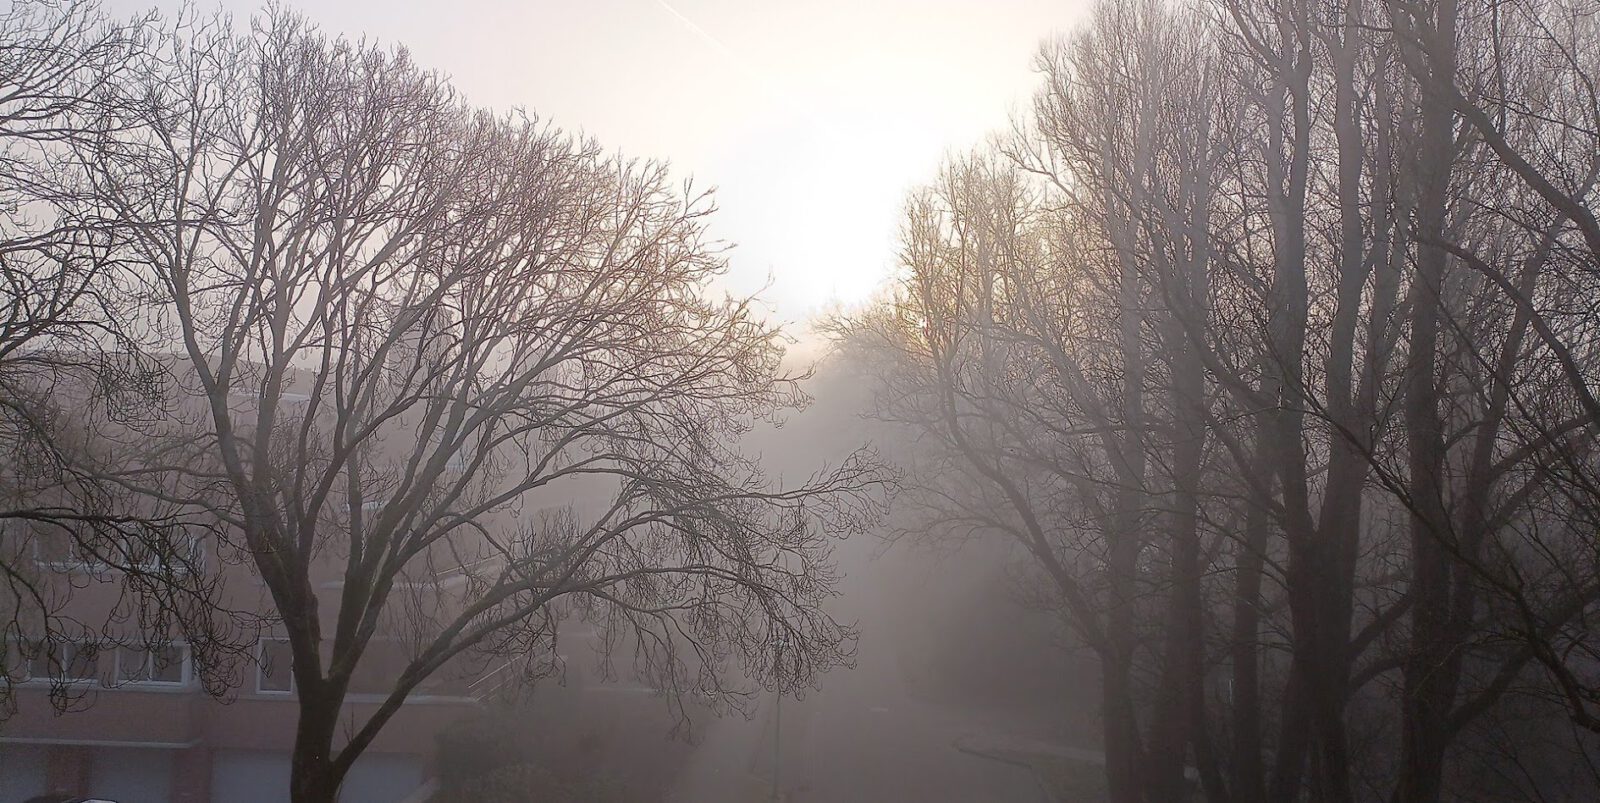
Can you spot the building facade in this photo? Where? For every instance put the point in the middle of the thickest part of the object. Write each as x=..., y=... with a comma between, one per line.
x=104, y=709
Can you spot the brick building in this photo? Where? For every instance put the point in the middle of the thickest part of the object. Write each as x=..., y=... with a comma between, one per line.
x=142, y=728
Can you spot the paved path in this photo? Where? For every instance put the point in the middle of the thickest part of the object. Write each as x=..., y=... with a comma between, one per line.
x=861, y=739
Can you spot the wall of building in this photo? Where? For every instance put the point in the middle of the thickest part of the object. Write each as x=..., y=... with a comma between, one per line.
x=188, y=775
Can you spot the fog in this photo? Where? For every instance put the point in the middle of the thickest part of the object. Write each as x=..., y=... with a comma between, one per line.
x=1170, y=400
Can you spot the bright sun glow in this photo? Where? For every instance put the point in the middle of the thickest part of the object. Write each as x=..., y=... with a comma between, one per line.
x=812, y=119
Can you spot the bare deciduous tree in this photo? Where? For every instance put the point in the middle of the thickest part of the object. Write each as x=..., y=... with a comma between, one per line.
x=1310, y=286
x=458, y=375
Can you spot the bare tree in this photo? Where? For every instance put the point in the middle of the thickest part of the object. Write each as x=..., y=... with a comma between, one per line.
x=1505, y=547
x=457, y=375
x=1345, y=249
x=1020, y=341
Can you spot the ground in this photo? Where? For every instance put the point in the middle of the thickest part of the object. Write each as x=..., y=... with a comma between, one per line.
x=861, y=739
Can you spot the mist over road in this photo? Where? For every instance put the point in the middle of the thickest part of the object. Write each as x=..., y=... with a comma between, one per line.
x=860, y=739
x=863, y=736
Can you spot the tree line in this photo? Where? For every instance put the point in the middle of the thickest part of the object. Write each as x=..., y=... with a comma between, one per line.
x=1268, y=337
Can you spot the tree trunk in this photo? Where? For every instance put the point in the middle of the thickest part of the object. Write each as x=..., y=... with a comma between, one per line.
x=1429, y=688
x=1124, y=754
x=1168, y=726
x=1289, y=764
x=1248, y=781
x=313, y=776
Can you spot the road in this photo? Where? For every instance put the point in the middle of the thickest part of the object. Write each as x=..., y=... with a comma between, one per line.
x=861, y=739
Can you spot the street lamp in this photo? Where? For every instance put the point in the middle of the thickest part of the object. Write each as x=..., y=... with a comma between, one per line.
x=779, y=644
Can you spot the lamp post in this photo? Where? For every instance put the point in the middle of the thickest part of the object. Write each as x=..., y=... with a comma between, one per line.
x=777, y=714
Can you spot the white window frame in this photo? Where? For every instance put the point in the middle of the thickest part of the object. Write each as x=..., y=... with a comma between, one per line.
x=23, y=672
x=68, y=651
x=197, y=558
x=253, y=397
x=70, y=656
x=76, y=562
x=83, y=563
x=261, y=663
x=186, y=667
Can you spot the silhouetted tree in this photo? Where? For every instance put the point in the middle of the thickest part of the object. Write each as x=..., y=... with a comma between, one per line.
x=1298, y=295
x=455, y=376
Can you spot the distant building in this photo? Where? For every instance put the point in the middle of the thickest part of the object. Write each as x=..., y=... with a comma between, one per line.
x=143, y=730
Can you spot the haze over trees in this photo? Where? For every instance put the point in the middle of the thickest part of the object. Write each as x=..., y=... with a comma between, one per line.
x=1268, y=336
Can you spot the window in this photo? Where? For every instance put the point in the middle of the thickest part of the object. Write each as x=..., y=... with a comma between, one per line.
x=32, y=660
x=252, y=397
x=57, y=549
x=158, y=554
x=132, y=545
x=80, y=660
x=166, y=665
x=16, y=662
x=89, y=661
x=274, y=666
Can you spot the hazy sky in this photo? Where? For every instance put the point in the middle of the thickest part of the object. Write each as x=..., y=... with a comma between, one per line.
x=812, y=117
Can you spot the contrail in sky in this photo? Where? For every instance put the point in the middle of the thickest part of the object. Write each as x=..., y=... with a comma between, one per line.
x=763, y=79
x=701, y=32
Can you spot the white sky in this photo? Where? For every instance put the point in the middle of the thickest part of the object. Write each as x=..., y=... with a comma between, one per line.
x=813, y=118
